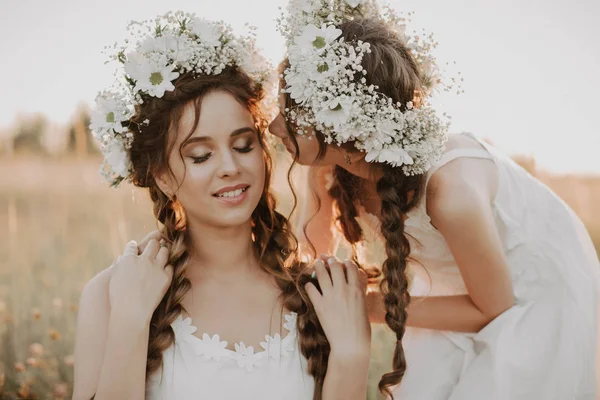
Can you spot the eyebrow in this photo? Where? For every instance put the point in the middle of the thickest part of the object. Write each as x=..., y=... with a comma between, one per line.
x=204, y=139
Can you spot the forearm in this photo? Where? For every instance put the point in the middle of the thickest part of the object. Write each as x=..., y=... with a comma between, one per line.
x=446, y=313
x=123, y=374
x=347, y=376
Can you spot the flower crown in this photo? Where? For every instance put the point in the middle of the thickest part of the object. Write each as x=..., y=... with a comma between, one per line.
x=163, y=49
x=326, y=79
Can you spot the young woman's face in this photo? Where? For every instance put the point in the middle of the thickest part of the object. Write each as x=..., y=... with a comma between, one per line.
x=308, y=145
x=219, y=176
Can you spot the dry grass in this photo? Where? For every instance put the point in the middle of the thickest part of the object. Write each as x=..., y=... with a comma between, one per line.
x=58, y=227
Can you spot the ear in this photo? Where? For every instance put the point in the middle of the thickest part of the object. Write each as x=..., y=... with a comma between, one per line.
x=164, y=182
x=356, y=155
x=350, y=156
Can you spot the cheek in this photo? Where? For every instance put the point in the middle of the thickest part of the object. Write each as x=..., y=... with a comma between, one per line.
x=253, y=163
x=309, y=149
x=195, y=183
x=278, y=127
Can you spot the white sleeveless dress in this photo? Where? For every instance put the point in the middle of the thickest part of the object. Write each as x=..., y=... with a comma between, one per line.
x=544, y=347
x=199, y=368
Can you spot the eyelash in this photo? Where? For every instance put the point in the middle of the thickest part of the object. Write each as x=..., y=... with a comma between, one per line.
x=243, y=150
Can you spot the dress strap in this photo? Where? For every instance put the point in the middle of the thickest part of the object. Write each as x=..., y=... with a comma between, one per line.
x=460, y=153
x=482, y=152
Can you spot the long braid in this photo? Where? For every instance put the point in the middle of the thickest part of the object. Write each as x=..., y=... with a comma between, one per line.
x=161, y=332
x=394, y=189
x=273, y=237
x=344, y=191
x=393, y=71
x=149, y=155
x=277, y=250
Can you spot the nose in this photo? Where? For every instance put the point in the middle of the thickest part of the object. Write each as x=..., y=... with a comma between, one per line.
x=229, y=166
x=278, y=127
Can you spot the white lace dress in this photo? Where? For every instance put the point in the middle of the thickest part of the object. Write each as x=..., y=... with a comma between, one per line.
x=543, y=348
x=204, y=368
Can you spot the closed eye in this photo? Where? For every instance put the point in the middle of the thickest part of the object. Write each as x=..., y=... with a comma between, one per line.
x=201, y=159
x=246, y=149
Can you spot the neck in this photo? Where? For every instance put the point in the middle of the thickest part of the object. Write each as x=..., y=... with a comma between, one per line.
x=220, y=251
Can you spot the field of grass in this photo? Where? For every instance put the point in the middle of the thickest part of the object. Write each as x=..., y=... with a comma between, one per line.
x=58, y=227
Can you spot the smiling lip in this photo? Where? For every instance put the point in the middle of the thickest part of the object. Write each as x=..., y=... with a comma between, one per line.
x=231, y=189
x=233, y=198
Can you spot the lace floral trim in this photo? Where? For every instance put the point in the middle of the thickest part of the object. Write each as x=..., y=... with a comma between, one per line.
x=213, y=348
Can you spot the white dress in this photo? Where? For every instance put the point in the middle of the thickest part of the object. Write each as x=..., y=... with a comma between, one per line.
x=203, y=368
x=544, y=347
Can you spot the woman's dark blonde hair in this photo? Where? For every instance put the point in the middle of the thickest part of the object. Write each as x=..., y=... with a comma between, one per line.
x=393, y=70
x=275, y=245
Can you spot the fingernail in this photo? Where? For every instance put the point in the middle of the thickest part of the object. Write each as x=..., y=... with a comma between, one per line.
x=320, y=263
x=331, y=260
x=314, y=274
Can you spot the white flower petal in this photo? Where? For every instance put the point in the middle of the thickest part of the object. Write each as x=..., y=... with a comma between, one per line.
x=207, y=31
x=353, y=3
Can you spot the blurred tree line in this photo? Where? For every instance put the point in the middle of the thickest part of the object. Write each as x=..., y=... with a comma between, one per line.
x=35, y=134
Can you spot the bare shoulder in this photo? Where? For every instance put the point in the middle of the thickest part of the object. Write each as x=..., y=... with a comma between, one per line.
x=92, y=330
x=463, y=182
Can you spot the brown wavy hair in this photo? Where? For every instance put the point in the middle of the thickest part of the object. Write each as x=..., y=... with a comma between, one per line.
x=273, y=241
x=393, y=70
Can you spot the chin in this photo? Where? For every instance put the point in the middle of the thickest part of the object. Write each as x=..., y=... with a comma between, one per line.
x=230, y=217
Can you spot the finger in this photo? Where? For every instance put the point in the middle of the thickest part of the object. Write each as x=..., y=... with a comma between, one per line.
x=323, y=277
x=162, y=256
x=363, y=280
x=313, y=294
x=169, y=270
x=151, y=249
x=131, y=248
x=352, y=273
x=152, y=235
x=337, y=272
x=324, y=257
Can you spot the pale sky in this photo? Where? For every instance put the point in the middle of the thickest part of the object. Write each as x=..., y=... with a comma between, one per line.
x=530, y=67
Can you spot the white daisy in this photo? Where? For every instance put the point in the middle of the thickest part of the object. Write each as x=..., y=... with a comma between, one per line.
x=152, y=77
x=165, y=44
x=245, y=356
x=298, y=87
x=317, y=38
x=116, y=157
x=207, y=31
x=396, y=156
x=336, y=113
x=290, y=322
x=108, y=114
x=212, y=347
x=272, y=346
x=389, y=129
x=183, y=328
